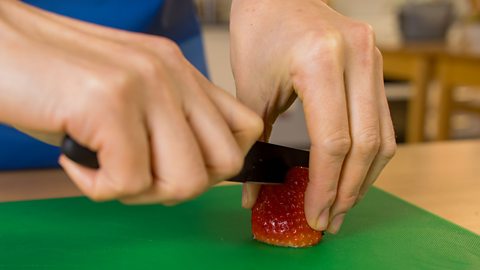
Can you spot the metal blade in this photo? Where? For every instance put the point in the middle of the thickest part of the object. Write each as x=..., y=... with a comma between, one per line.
x=268, y=163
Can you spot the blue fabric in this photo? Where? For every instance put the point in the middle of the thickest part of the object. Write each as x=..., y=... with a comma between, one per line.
x=174, y=19
x=129, y=15
x=19, y=151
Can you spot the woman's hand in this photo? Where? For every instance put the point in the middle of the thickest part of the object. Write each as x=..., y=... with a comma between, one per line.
x=283, y=48
x=162, y=131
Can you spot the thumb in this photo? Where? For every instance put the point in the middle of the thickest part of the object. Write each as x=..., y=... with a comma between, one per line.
x=269, y=110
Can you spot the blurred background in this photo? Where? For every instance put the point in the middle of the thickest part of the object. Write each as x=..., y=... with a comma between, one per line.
x=431, y=51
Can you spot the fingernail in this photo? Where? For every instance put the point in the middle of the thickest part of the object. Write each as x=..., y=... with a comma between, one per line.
x=322, y=221
x=244, y=196
x=336, y=223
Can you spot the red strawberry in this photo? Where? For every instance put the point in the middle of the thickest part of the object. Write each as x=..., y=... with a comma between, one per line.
x=278, y=216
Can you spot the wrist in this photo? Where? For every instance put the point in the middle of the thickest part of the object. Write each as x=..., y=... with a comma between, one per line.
x=250, y=6
x=253, y=2
x=14, y=17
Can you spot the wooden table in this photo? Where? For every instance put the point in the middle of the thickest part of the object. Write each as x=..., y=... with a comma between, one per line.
x=443, y=178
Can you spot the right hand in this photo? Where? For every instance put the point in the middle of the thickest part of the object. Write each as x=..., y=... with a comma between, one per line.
x=162, y=131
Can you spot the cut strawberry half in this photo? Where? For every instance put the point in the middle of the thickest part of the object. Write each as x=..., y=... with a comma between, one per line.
x=278, y=216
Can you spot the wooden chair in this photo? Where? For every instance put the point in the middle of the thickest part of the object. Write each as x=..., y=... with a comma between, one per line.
x=454, y=71
x=416, y=63
x=416, y=68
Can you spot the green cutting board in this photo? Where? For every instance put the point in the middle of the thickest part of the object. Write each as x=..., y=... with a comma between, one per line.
x=213, y=232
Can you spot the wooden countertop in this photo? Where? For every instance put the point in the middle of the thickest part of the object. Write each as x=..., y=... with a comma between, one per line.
x=443, y=178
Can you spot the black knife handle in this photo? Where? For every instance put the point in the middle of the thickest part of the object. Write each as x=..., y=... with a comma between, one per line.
x=265, y=163
x=79, y=153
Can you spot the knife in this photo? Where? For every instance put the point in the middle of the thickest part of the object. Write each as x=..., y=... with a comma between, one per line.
x=265, y=163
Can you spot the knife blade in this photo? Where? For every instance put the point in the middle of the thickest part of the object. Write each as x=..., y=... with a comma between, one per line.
x=265, y=163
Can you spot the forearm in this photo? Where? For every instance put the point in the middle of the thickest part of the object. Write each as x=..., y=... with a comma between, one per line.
x=26, y=98
x=10, y=58
x=236, y=4
x=13, y=75
x=245, y=11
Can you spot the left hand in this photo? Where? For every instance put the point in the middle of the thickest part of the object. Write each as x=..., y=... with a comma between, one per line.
x=283, y=48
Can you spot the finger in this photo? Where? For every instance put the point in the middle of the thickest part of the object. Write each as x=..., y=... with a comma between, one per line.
x=247, y=127
x=81, y=176
x=388, y=145
x=260, y=108
x=124, y=157
x=244, y=123
x=250, y=194
x=318, y=80
x=360, y=78
x=221, y=152
x=177, y=162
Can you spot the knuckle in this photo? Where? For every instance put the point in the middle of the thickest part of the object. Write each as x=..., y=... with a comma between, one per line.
x=163, y=46
x=367, y=142
x=113, y=87
x=229, y=164
x=126, y=188
x=327, y=49
x=146, y=65
x=255, y=126
x=137, y=186
x=337, y=145
x=326, y=42
x=331, y=197
x=362, y=35
x=170, y=52
x=119, y=81
x=169, y=46
x=345, y=202
x=180, y=191
x=323, y=47
x=177, y=193
x=97, y=196
x=235, y=163
x=96, y=82
x=378, y=58
x=378, y=55
x=172, y=57
x=388, y=148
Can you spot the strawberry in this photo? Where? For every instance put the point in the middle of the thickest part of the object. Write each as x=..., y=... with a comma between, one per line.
x=278, y=216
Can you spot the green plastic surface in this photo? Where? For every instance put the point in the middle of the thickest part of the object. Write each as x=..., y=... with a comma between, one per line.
x=213, y=232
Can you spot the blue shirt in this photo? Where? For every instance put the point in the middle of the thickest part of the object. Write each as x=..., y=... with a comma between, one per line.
x=174, y=19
